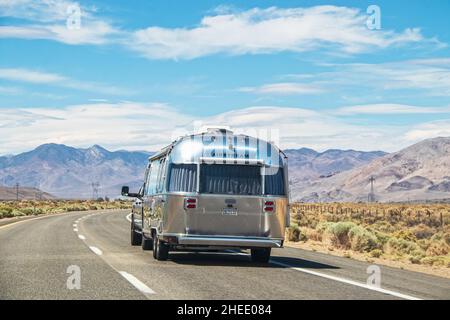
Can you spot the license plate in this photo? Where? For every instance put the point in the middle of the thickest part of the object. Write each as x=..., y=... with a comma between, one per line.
x=230, y=211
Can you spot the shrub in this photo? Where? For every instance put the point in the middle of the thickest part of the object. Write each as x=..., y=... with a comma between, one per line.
x=442, y=261
x=402, y=247
x=422, y=232
x=362, y=240
x=376, y=253
x=437, y=248
x=294, y=233
x=338, y=233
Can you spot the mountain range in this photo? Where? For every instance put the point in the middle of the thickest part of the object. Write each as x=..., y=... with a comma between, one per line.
x=68, y=172
x=419, y=172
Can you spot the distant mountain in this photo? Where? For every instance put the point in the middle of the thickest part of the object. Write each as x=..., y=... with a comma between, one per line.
x=68, y=172
x=419, y=172
x=307, y=166
x=10, y=193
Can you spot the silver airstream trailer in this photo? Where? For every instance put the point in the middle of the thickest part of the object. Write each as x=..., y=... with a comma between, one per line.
x=211, y=191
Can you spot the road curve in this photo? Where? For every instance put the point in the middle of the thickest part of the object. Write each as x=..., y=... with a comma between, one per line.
x=35, y=256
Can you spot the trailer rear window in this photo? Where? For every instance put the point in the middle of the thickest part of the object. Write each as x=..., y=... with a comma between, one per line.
x=230, y=179
x=274, y=182
x=183, y=178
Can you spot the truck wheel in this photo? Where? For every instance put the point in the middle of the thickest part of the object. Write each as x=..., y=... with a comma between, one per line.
x=160, y=250
x=147, y=244
x=261, y=255
x=136, y=237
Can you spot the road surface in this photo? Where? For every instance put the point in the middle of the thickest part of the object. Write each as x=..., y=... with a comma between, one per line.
x=36, y=256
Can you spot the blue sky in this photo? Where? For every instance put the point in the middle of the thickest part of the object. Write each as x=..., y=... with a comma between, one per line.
x=136, y=74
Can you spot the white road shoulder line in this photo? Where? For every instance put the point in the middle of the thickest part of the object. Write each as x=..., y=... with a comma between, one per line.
x=351, y=282
x=81, y=237
x=96, y=250
x=137, y=283
x=342, y=280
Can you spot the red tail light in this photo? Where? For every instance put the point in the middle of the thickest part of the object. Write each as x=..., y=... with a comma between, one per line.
x=190, y=203
x=269, y=206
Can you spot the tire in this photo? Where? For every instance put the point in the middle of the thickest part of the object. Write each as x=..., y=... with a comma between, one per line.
x=160, y=250
x=136, y=237
x=146, y=243
x=261, y=255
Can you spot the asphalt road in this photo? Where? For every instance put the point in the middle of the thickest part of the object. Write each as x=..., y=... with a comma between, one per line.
x=36, y=255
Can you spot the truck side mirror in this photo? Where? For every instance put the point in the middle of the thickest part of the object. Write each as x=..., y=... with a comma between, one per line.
x=125, y=191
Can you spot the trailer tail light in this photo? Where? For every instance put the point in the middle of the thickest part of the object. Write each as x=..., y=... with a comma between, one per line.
x=269, y=206
x=190, y=203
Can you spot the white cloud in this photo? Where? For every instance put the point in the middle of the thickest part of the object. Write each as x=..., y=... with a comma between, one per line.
x=433, y=129
x=39, y=77
x=131, y=125
x=47, y=20
x=149, y=126
x=430, y=76
x=285, y=88
x=256, y=31
x=381, y=109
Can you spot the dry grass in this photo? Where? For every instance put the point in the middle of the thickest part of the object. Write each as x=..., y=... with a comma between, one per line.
x=414, y=234
x=11, y=209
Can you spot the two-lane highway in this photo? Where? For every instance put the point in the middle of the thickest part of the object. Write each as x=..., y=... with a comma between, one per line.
x=36, y=255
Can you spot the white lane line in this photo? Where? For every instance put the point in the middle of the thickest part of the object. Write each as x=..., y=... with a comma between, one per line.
x=96, y=250
x=128, y=217
x=342, y=280
x=137, y=283
x=75, y=229
x=74, y=225
x=351, y=282
x=81, y=237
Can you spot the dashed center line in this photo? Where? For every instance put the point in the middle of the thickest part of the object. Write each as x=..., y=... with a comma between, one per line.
x=138, y=284
x=81, y=237
x=96, y=250
x=75, y=229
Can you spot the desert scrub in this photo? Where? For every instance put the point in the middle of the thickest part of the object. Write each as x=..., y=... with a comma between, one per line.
x=440, y=261
x=403, y=247
x=337, y=233
x=402, y=232
x=294, y=233
x=9, y=209
x=6, y=212
x=362, y=240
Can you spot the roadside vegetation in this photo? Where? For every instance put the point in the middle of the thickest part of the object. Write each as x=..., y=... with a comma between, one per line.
x=411, y=233
x=11, y=209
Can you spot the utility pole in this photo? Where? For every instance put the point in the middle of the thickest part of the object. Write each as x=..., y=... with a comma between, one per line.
x=95, y=187
x=371, y=197
x=17, y=191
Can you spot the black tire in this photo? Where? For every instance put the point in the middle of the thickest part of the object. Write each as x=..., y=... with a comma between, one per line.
x=146, y=243
x=136, y=237
x=160, y=250
x=261, y=255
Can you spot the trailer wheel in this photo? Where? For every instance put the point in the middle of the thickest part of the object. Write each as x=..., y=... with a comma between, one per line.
x=160, y=250
x=136, y=237
x=261, y=254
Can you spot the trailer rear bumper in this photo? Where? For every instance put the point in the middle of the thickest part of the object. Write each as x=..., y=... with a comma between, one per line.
x=229, y=242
